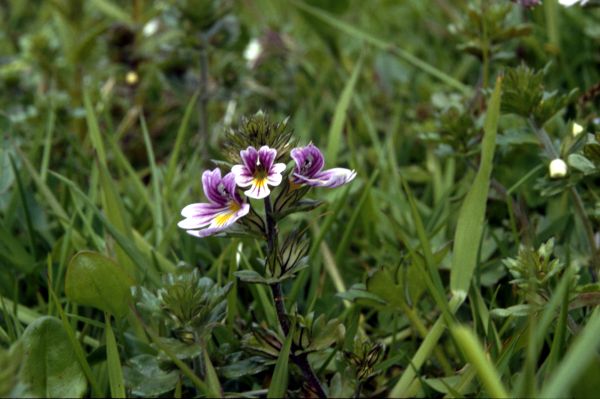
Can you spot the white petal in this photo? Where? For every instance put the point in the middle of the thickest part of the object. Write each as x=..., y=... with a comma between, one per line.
x=278, y=168
x=258, y=190
x=242, y=177
x=275, y=179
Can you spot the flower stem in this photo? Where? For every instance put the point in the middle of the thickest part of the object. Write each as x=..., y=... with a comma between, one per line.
x=284, y=321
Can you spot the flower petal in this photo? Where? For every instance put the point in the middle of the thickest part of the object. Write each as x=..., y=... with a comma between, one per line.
x=330, y=178
x=249, y=159
x=200, y=209
x=199, y=215
x=222, y=220
x=309, y=160
x=259, y=189
x=210, y=184
x=242, y=176
x=277, y=168
x=266, y=156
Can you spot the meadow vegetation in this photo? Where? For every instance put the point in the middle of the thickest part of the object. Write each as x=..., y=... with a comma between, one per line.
x=460, y=260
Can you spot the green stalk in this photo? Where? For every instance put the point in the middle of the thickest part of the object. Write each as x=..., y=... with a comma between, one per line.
x=284, y=321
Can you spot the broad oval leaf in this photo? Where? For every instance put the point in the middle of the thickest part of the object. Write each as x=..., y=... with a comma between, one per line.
x=95, y=280
x=50, y=368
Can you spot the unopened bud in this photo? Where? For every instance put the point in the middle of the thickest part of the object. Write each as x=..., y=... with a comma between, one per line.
x=576, y=130
x=557, y=168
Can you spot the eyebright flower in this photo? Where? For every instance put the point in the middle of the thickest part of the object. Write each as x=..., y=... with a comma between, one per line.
x=310, y=161
x=225, y=206
x=258, y=171
x=557, y=168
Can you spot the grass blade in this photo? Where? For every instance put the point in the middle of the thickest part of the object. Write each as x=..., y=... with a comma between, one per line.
x=128, y=245
x=280, y=374
x=339, y=117
x=157, y=202
x=580, y=355
x=94, y=129
x=183, y=128
x=212, y=380
x=476, y=356
x=113, y=362
x=471, y=217
x=382, y=44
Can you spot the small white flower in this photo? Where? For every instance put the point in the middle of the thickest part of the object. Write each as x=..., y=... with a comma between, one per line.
x=151, y=27
x=576, y=129
x=252, y=52
x=132, y=78
x=557, y=168
x=569, y=3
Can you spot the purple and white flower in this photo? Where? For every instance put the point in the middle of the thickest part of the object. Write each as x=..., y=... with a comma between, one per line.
x=258, y=171
x=309, y=164
x=225, y=206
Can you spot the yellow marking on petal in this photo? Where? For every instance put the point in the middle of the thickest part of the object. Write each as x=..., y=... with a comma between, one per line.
x=260, y=182
x=224, y=217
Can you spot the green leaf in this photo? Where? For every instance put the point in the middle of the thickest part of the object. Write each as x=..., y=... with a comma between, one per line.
x=212, y=380
x=94, y=280
x=113, y=362
x=250, y=276
x=339, y=117
x=181, y=132
x=512, y=311
x=355, y=32
x=115, y=213
x=475, y=355
x=382, y=284
x=112, y=10
x=471, y=217
x=50, y=367
x=280, y=374
x=581, y=163
x=145, y=378
x=582, y=352
x=94, y=129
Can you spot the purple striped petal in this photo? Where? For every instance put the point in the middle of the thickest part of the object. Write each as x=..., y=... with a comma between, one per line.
x=213, y=189
x=329, y=178
x=200, y=209
x=309, y=160
x=249, y=159
x=266, y=157
x=222, y=221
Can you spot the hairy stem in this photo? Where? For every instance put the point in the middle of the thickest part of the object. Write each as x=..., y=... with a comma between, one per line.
x=284, y=321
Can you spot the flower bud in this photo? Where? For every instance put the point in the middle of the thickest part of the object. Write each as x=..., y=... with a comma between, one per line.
x=557, y=168
x=576, y=129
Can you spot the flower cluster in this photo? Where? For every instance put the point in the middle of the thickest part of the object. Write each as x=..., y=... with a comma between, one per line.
x=256, y=172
